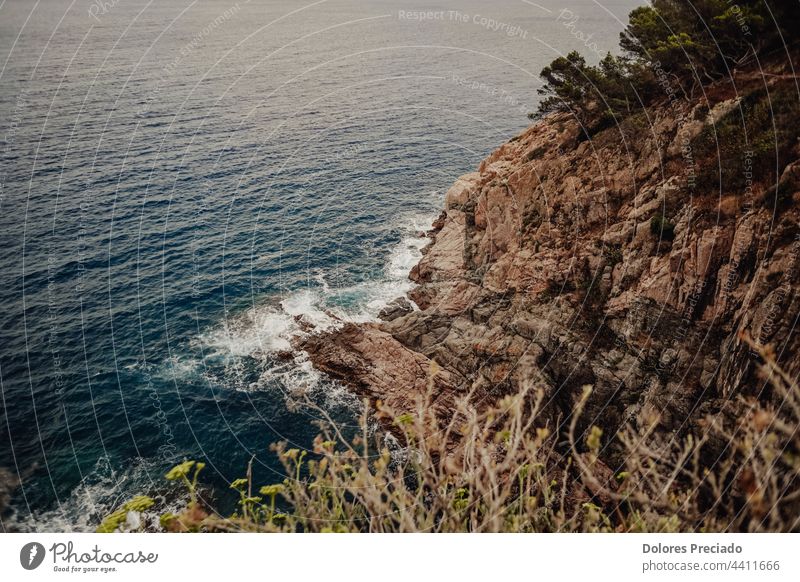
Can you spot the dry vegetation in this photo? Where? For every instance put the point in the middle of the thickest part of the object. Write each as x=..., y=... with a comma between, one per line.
x=498, y=470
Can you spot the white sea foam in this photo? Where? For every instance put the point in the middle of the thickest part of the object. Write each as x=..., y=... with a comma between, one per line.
x=241, y=353
x=248, y=351
x=372, y=296
x=268, y=329
x=101, y=492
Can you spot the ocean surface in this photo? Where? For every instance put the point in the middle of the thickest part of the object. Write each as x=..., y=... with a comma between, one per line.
x=184, y=183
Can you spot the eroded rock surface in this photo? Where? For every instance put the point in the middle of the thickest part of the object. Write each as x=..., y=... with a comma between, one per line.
x=544, y=268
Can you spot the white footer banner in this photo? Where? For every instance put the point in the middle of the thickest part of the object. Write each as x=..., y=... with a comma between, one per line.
x=386, y=558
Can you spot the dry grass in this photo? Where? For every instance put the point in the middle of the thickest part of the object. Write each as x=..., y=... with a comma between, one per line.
x=498, y=470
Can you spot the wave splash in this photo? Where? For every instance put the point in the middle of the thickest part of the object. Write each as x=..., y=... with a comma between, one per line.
x=253, y=350
x=100, y=492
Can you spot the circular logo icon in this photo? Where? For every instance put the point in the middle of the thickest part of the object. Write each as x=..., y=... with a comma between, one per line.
x=31, y=555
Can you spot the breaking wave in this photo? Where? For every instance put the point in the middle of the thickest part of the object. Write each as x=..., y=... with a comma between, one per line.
x=253, y=350
x=100, y=492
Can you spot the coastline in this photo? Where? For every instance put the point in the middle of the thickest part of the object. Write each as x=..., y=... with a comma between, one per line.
x=544, y=269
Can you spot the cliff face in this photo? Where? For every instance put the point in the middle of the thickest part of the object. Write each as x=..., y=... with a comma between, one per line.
x=566, y=261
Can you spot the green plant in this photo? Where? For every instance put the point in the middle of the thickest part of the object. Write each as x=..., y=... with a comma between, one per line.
x=662, y=228
x=181, y=473
x=114, y=521
x=751, y=143
x=612, y=254
x=192, y=518
x=669, y=47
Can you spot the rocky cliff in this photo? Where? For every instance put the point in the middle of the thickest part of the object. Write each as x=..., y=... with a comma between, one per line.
x=632, y=260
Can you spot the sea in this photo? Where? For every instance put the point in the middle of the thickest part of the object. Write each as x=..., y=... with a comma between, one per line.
x=186, y=184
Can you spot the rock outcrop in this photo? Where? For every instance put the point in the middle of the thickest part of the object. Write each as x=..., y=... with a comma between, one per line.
x=566, y=261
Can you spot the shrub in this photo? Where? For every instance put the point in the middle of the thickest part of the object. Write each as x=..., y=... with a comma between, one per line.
x=751, y=143
x=612, y=254
x=662, y=228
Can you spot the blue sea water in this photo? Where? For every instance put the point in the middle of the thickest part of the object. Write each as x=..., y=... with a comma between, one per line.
x=183, y=180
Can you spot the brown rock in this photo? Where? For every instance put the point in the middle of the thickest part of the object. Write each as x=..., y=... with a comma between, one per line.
x=379, y=367
x=507, y=295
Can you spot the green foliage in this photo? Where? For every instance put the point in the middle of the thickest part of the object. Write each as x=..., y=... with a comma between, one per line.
x=597, y=95
x=704, y=39
x=192, y=518
x=662, y=228
x=593, y=441
x=668, y=46
x=181, y=473
x=752, y=142
x=115, y=520
x=612, y=254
